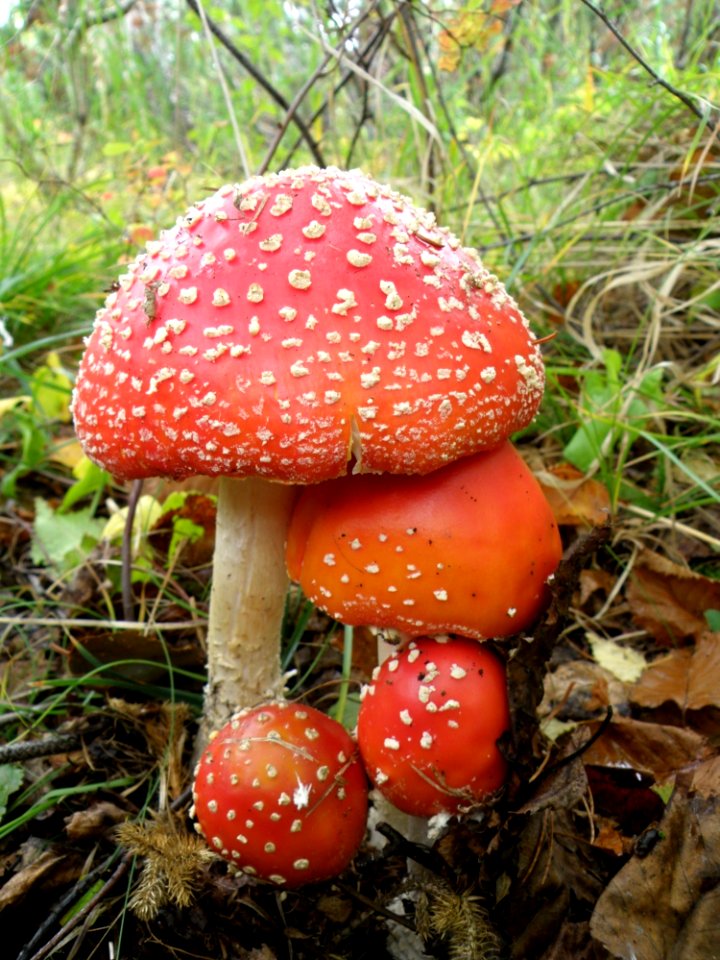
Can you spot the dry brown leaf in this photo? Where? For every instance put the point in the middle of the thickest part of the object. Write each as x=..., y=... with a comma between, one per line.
x=94, y=821
x=576, y=500
x=649, y=748
x=665, y=905
x=52, y=869
x=689, y=677
x=669, y=600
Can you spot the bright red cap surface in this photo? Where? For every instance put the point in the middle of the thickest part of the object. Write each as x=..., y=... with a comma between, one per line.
x=281, y=793
x=429, y=723
x=297, y=320
x=467, y=549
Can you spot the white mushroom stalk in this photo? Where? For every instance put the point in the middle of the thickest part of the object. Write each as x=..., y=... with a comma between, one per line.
x=247, y=602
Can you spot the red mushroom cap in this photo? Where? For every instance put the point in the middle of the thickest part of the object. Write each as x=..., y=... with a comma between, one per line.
x=297, y=320
x=281, y=793
x=429, y=724
x=467, y=549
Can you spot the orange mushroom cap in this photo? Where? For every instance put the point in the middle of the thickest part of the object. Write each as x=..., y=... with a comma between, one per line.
x=467, y=549
x=294, y=321
x=429, y=723
x=280, y=791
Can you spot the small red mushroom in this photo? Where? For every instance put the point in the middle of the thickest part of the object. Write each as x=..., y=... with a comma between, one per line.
x=467, y=549
x=429, y=724
x=280, y=791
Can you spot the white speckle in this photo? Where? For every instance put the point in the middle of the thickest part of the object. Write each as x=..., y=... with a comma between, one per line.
x=512, y=611
x=271, y=243
x=440, y=594
x=372, y=568
x=255, y=293
x=301, y=794
x=358, y=259
x=475, y=340
x=426, y=740
x=355, y=544
x=405, y=717
x=188, y=295
x=391, y=743
x=282, y=203
x=299, y=279
x=329, y=559
x=298, y=369
x=314, y=230
x=457, y=672
x=301, y=864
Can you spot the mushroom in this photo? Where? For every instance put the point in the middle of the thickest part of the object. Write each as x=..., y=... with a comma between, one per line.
x=280, y=792
x=429, y=724
x=283, y=328
x=467, y=549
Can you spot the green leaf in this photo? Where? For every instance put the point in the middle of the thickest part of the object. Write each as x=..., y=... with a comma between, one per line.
x=63, y=540
x=115, y=148
x=11, y=777
x=90, y=479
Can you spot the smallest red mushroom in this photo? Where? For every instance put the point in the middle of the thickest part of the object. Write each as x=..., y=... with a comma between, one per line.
x=281, y=793
x=429, y=724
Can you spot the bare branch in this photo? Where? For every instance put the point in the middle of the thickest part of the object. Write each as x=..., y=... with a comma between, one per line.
x=262, y=80
x=689, y=101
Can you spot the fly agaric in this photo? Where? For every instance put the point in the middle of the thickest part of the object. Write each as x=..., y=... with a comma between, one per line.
x=280, y=791
x=467, y=549
x=429, y=724
x=283, y=328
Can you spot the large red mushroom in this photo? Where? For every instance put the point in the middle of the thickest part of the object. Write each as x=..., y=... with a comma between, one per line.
x=284, y=328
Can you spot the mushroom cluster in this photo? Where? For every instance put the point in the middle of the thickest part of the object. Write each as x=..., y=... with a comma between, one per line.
x=310, y=327
x=280, y=792
x=286, y=329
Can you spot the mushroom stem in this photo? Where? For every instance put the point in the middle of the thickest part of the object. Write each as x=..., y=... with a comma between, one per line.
x=247, y=601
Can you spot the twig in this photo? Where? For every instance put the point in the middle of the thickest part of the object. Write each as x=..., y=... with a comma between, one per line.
x=683, y=97
x=248, y=65
x=669, y=185
x=77, y=623
x=302, y=92
x=65, y=902
x=43, y=747
x=82, y=914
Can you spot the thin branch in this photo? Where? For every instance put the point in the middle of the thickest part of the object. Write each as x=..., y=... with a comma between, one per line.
x=619, y=198
x=43, y=747
x=261, y=80
x=365, y=58
x=302, y=92
x=679, y=94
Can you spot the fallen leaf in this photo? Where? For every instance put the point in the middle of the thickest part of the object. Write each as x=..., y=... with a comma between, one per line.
x=689, y=677
x=653, y=749
x=624, y=663
x=576, y=500
x=665, y=905
x=94, y=821
x=52, y=869
x=669, y=600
